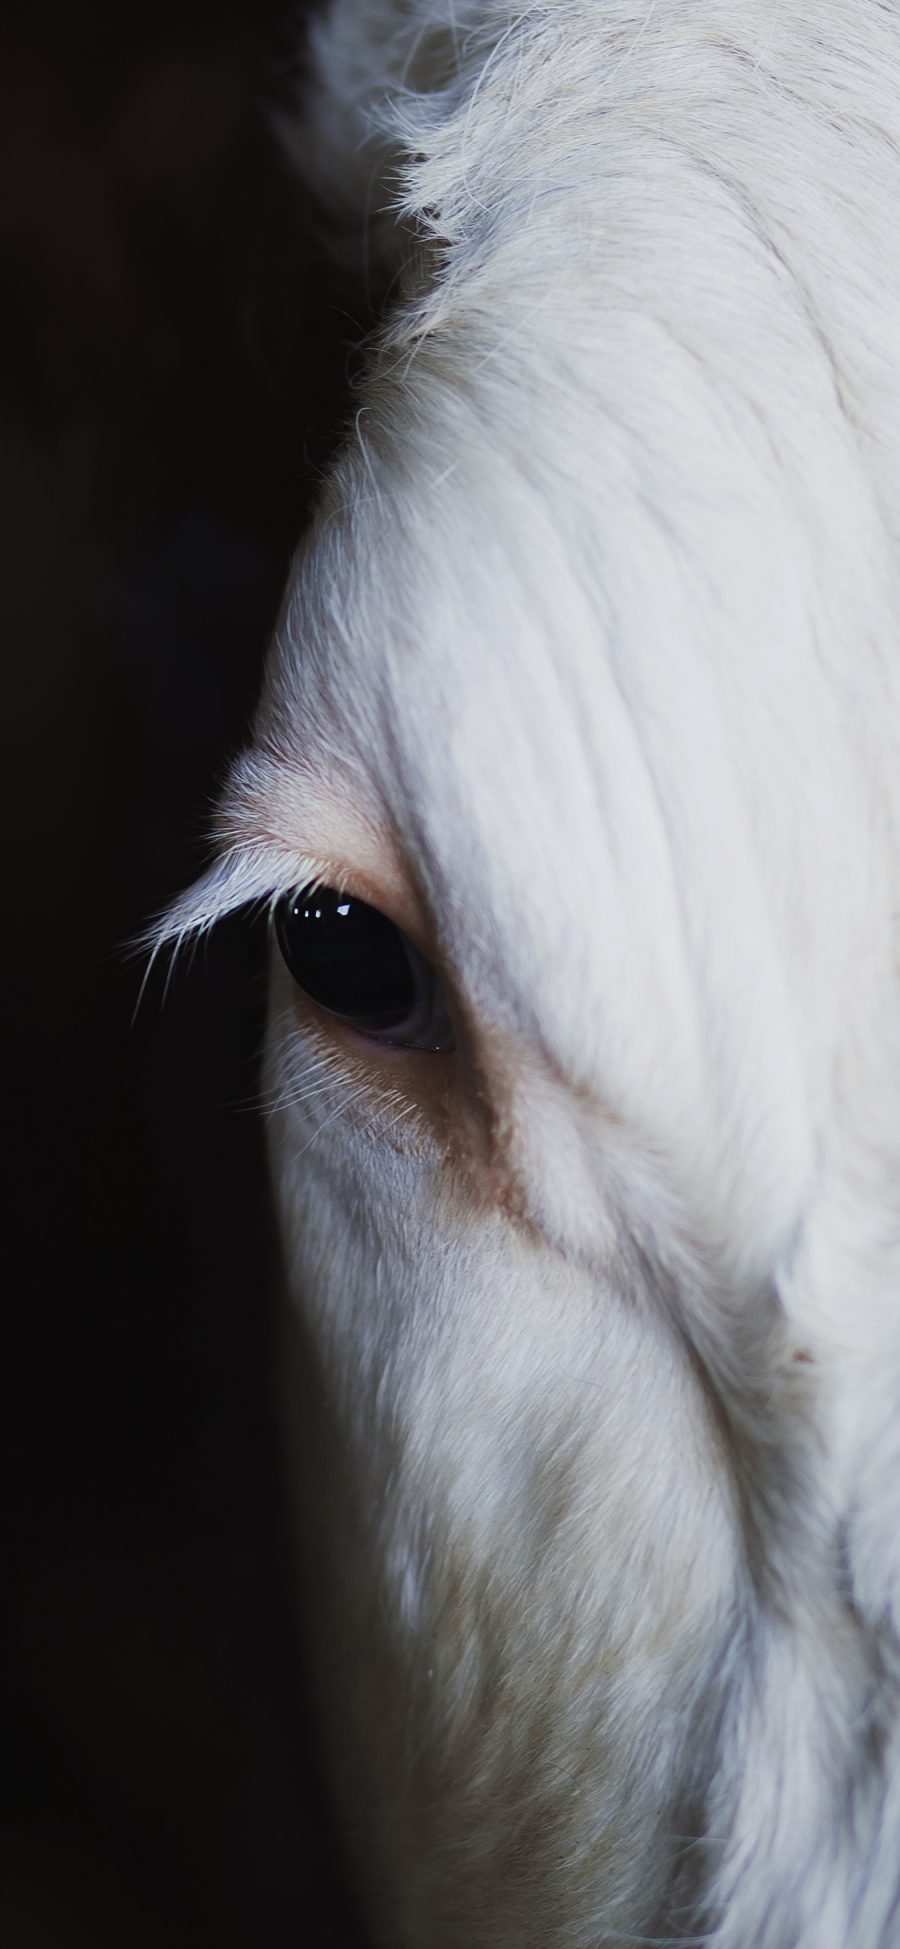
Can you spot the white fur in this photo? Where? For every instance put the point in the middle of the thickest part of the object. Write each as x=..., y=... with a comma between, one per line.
x=597, y=636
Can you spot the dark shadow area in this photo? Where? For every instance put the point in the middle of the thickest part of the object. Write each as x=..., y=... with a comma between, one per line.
x=171, y=369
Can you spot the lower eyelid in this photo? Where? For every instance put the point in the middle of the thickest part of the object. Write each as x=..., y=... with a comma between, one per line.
x=397, y=1096
x=333, y=1028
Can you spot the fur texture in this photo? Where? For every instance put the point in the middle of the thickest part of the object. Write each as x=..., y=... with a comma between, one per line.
x=592, y=655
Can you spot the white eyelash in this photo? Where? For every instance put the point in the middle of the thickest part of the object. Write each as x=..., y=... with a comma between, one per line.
x=326, y=1070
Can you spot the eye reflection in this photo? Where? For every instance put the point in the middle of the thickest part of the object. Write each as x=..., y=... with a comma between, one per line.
x=355, y=963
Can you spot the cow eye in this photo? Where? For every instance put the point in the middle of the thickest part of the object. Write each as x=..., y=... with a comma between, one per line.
x=360, y=967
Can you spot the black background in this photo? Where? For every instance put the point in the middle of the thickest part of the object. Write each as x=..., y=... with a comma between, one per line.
x=172, y=365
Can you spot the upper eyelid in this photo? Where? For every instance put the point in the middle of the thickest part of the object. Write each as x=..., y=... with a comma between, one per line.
x=269, y=797
x=243, y=876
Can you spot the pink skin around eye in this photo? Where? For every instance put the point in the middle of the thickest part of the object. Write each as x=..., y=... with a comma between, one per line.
x=297, y=810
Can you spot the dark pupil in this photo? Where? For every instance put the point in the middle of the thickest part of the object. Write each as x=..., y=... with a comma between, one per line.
x=348, y=957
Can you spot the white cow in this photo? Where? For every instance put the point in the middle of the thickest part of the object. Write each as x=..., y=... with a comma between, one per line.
x=575, y=795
